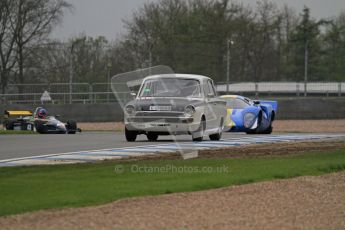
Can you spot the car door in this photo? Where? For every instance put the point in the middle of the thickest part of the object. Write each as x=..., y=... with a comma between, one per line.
x=215, y=107
x=220, y=107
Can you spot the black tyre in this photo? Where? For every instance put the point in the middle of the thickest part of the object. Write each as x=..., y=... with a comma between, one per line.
x=199, y=134
x=269, y=130
x=152, y=136
x=71, y=127
x=8, y=125
x=40, y=127
x=130, y=135
x=251, y=132
x=217, y=136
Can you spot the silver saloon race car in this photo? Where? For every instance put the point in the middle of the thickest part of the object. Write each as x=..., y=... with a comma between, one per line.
x=172, y=104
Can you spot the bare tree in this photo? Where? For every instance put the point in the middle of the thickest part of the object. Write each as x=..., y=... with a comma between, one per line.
x=33, y=22
x=7, y=42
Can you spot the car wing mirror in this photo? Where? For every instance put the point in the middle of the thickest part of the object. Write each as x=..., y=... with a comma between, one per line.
x=133, y=94
x=256, y=102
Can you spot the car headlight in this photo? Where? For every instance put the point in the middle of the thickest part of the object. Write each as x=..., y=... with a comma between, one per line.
x=130, y=109
x=249, y=119
x=189, y=110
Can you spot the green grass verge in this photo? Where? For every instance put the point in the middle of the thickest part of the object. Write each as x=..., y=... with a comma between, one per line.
x=5, y=132
x=24, y=189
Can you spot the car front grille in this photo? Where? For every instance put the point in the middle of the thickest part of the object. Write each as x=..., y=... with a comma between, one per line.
x=158, y=114
x=155, y=119
x=159, y=117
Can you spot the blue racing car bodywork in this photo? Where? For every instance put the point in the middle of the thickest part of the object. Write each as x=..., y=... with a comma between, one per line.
x=252, y=117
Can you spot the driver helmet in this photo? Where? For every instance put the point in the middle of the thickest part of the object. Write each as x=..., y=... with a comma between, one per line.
x=42, y=113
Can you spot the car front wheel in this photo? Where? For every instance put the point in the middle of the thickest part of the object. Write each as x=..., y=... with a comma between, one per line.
x=71, y=127
x=217, y=136
x=40, y=127
x=199, y=134
x=152, y=136
x=130, y=135
x=269, y=130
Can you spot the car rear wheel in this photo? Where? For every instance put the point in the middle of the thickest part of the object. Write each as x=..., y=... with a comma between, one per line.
x=199, y=134
x=269, y=130
x=71, y=127
x=217, y=136
x=8, y=125
x=130, y=135
x=152, y=136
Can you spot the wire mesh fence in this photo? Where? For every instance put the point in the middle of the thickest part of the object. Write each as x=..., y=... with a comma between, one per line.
x=101, y=93
x=283, y=88
x=65, y=93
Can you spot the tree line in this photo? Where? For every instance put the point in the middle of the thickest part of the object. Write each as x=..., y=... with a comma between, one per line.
x=264, y=43
x=24, y=24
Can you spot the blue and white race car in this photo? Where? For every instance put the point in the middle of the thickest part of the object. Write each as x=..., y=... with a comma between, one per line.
x=250, y=116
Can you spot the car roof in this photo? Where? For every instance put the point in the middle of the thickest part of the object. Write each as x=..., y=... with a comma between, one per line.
x=179, y=75
x=232, y=96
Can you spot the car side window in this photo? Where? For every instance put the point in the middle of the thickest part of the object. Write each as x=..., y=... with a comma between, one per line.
x=236, y=104
x=213, y=88
x=210, y=91
x=230, y=103
x=240, y=104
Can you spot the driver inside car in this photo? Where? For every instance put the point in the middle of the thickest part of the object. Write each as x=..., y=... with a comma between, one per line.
x=41, y=113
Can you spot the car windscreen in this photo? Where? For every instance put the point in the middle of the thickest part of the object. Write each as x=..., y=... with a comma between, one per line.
x=236, y=103
x=170, y=87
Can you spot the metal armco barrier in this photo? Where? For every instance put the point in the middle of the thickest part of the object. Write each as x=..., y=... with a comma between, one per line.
x=85, y=93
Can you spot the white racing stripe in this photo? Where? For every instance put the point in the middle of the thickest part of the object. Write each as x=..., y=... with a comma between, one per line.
x=121, y=153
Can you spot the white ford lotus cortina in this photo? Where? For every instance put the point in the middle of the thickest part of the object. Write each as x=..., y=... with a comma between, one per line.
x=172, y=104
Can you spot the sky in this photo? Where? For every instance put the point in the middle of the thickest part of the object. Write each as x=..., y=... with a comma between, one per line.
x=105, y=17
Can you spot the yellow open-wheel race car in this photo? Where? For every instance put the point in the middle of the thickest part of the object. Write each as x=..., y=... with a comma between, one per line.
x=38, y=121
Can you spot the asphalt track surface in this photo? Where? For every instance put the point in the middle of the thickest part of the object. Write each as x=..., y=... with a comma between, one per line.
x=91, y=146
x=15, y=146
